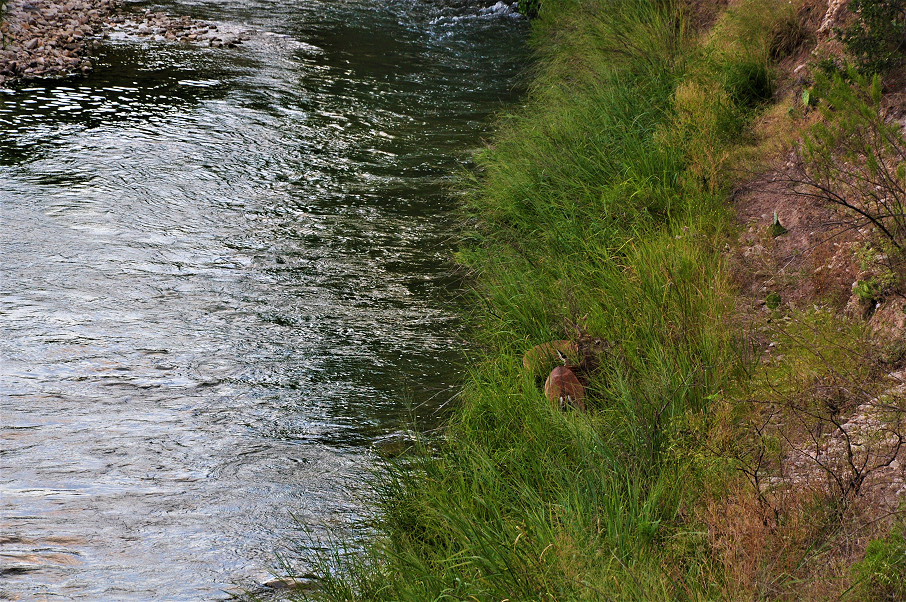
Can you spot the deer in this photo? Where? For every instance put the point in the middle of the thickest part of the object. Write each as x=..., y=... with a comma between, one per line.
x=563, y=388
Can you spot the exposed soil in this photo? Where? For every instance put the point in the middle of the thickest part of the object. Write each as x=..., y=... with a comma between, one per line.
x=812, y=261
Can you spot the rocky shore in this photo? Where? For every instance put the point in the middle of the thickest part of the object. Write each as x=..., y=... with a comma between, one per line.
x=48, y=38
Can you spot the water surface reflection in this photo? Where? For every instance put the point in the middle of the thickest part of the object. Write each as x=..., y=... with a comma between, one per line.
x=223, y=273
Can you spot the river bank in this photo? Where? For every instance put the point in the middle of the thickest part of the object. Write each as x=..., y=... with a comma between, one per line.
x=55, y=38
x=665, y=203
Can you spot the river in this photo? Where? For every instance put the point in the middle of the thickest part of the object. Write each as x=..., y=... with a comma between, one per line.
x=225, y=273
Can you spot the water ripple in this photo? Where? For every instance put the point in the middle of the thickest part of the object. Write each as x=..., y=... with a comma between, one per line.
x=225, y=273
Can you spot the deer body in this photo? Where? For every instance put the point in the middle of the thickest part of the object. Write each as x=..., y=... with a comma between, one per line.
x=563, y=388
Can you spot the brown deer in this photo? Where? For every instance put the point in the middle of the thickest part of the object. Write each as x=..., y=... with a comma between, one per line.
x=580, y=357
x=563, y=388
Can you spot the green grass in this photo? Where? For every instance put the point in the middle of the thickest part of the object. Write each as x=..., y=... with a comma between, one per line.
x=592, y=212
x=879, y=576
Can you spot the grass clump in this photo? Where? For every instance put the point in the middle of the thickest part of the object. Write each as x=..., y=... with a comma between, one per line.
x=749, y=83
x=881, y=575
x=598, y=215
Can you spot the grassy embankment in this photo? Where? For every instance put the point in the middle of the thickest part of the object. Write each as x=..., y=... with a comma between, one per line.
x=600, y=215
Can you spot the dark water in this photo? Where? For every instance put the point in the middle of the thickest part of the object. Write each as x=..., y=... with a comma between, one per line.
x=225, y=274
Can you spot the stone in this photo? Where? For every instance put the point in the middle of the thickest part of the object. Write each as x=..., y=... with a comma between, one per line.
x=306, y=583
x=58, y=30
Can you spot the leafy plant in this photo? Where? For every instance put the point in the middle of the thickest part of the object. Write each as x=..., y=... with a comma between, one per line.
x=777, y=229
x=866, y=290
x=877, y=38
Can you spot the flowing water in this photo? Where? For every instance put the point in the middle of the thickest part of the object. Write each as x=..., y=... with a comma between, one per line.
x=225, y=273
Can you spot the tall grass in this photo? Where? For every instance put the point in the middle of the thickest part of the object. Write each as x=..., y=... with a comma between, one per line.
x=593, y=212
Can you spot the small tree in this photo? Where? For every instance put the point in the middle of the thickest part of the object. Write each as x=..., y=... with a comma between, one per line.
x=855, y=159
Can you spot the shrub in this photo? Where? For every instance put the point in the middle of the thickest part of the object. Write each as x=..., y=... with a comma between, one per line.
x=877, y=37
x=529, y=8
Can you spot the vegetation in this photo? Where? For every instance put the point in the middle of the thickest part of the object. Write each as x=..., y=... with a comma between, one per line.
x=855, y=157
x=529, y=8
x=600, y=216
x=877, y=38
x=786, y=529
x=880, y=574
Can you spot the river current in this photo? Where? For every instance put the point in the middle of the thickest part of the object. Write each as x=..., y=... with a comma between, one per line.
x=226, y=273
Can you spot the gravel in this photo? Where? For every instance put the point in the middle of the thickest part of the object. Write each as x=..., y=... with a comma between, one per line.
x=55, y=38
